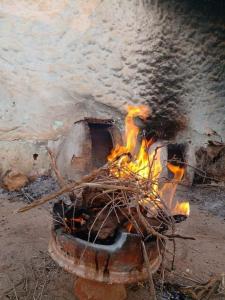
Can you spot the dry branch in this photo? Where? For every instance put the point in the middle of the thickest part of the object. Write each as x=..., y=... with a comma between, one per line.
x=65, y=189
x=59, y=177
x=148, y=227
x=150, y=279
x=172, y=236
x=209, y=290
x=69, y=188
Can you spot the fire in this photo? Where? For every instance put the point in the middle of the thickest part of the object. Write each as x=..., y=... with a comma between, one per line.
x=137, y=157
x=131, y=130
x=182, y=208
x=168, y=190
x=128, y=158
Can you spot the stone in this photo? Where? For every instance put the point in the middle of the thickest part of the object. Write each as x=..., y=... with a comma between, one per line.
x=14, y=180
x=92, y=290
x=58, y=55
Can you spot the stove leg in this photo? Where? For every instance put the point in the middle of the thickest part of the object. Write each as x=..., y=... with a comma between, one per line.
x=92, y=290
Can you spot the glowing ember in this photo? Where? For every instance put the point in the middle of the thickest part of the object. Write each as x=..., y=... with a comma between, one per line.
x=137, y=158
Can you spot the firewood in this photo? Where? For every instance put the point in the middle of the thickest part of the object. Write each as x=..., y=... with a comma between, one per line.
x=104, y=227
x=85, y=182
x=64, y=189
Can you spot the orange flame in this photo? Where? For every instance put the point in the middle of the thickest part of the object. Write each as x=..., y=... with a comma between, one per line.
x=137, y=158
x=142, y=162
x=168, y=191
x=182, y=208
x=129, y=227
x=131, y=130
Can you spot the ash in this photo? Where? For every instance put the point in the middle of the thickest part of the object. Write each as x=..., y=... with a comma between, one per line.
x=36, y=189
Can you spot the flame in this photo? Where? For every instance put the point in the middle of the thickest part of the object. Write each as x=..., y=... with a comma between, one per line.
x=129, y=227
x=182, y=208
x=177, y=171
x=137, y=157
x=168, y=190
x=131, y=130
x=143, y=164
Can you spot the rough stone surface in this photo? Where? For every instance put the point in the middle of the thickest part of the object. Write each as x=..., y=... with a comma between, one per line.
x=60, y=59
x=20, y=155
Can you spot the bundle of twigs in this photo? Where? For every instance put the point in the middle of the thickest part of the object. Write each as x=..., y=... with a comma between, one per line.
x=131, y=192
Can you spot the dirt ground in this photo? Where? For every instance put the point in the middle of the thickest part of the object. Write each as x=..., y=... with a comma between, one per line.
x=27, y=271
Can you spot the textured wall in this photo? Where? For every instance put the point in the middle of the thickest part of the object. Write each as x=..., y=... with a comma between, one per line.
x=63, y=59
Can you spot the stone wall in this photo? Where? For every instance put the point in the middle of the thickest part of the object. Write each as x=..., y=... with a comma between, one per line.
x=61, y=60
